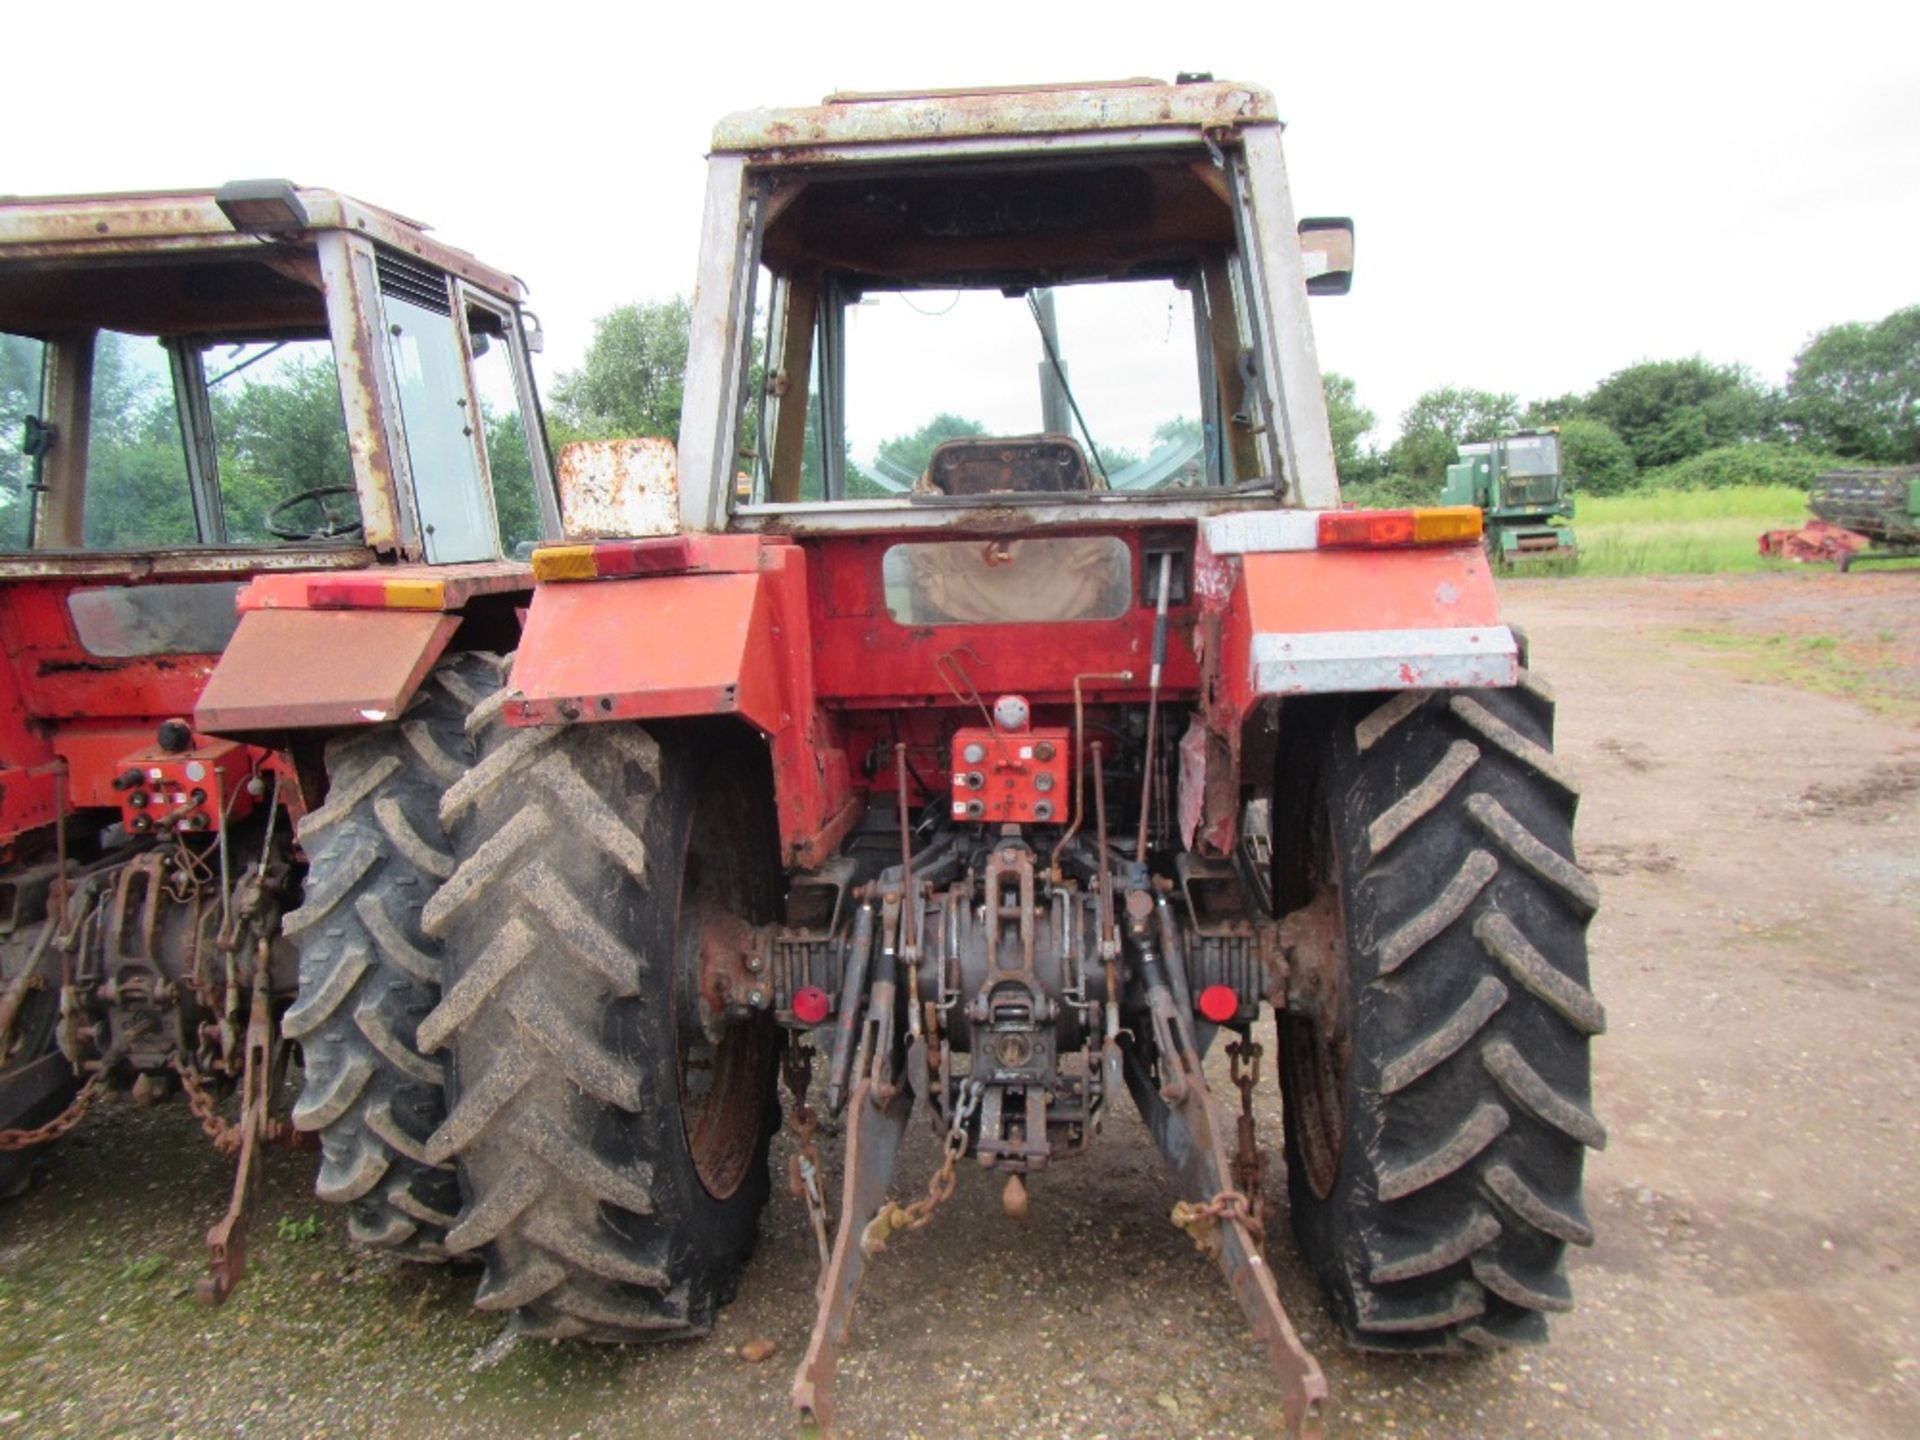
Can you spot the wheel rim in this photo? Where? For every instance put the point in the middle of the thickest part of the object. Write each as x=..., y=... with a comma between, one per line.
x=1315, y=1044
x=1316, y=1111
x=722, y=1090
x=723, y=1064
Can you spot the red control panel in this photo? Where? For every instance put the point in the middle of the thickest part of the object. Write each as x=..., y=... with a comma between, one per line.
x=1007, y=778
x=191, y=790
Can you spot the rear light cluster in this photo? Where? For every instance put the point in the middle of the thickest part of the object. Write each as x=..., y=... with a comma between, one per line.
x=612, y=558
x=376, y=595
x=1393, y=529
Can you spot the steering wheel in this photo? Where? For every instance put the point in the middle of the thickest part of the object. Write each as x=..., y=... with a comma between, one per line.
x=331, y=526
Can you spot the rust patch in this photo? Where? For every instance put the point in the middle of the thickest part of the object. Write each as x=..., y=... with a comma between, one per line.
x=619, y=488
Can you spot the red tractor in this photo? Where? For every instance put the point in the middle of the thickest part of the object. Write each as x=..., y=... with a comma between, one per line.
x=988, y=709
x=255, y=393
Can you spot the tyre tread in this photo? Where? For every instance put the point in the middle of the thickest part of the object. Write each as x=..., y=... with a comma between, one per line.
x=367, y=971
x=1467, y=1110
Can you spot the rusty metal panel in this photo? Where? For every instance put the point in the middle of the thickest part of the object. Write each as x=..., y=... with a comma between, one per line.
x=715, y=356
x=615, y=489
x=361, y=360
x=106, y=565
x=1012, y=113
x=53, y=226
x=1298, y=403
x=302, y=669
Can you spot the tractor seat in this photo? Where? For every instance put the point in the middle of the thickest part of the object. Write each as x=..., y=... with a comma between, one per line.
x=1015, y=465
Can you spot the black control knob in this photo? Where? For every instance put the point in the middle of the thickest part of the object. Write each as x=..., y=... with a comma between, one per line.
x=175, y=736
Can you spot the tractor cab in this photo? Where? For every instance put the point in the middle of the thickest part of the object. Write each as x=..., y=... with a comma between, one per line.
x=262, y=371
x=200, y=387
x=1113, y=327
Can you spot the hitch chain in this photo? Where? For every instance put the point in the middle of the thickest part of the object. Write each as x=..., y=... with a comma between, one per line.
x=60, y=1124
x=226, y=1138
x=804, y=1169
x=1200, y=1222
x=914, y=1216
x=1249, y=1165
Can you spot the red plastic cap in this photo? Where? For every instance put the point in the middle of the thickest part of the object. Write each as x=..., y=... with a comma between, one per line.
x=1219, y=1003
x=810, y=1005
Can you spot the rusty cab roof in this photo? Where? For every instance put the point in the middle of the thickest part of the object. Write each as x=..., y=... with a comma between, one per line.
x=144, y=260
x=852, y=123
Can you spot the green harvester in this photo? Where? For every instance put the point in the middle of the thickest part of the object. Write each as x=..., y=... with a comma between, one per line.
x=1517, y=484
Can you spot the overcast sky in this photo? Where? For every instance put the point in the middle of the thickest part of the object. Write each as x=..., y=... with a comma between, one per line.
x=1543, y=193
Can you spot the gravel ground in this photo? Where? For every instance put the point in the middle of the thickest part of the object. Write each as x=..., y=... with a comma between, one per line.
x=1758, y=843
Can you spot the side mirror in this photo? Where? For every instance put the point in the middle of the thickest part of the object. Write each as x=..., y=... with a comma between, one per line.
x=618, y=489
x=536, y=337
x=1326, y=245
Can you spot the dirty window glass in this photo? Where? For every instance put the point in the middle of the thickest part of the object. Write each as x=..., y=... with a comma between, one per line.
x=927, y=366
x=22, y=369
x=279, y=433
x=509, y=459
x=1008, y=582
x=447, y=482
x=123, y=620
x=138, y=494
x=770, y=395
x=1533, y=455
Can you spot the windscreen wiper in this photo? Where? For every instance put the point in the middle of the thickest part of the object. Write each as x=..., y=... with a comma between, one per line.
x=244, y=364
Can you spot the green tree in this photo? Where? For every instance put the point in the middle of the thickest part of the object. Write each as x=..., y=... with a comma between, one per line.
x=1667, y=410
x=512, y=469
x=1593, y=458
x=279, y=431
x=910, y=454
x=1553, y=410
x=1855, y=389
x=1731, y=467
x=1441, y=421
x=632, y=380
x=20, y=369
x=1387, y=491
x=1350, y=421
x=137, y=494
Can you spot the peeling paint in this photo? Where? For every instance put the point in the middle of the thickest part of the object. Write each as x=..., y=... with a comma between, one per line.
x=623, y=489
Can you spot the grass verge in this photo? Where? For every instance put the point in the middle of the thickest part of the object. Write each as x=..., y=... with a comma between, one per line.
x=1684, y=532
x=1858, y=669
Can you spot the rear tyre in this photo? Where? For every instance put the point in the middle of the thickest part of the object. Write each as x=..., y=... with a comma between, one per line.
x=368, y=973
x=613, y=1158
x=36, y=1082
x=1437, y=1096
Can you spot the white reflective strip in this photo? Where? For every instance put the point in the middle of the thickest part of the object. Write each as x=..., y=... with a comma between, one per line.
x=1338, y=661
x=1261, y=532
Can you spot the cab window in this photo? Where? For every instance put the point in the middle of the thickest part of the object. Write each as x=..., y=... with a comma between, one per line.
x=510, y=456
x=22, y=370
x=138, y=489
x=280, y=441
